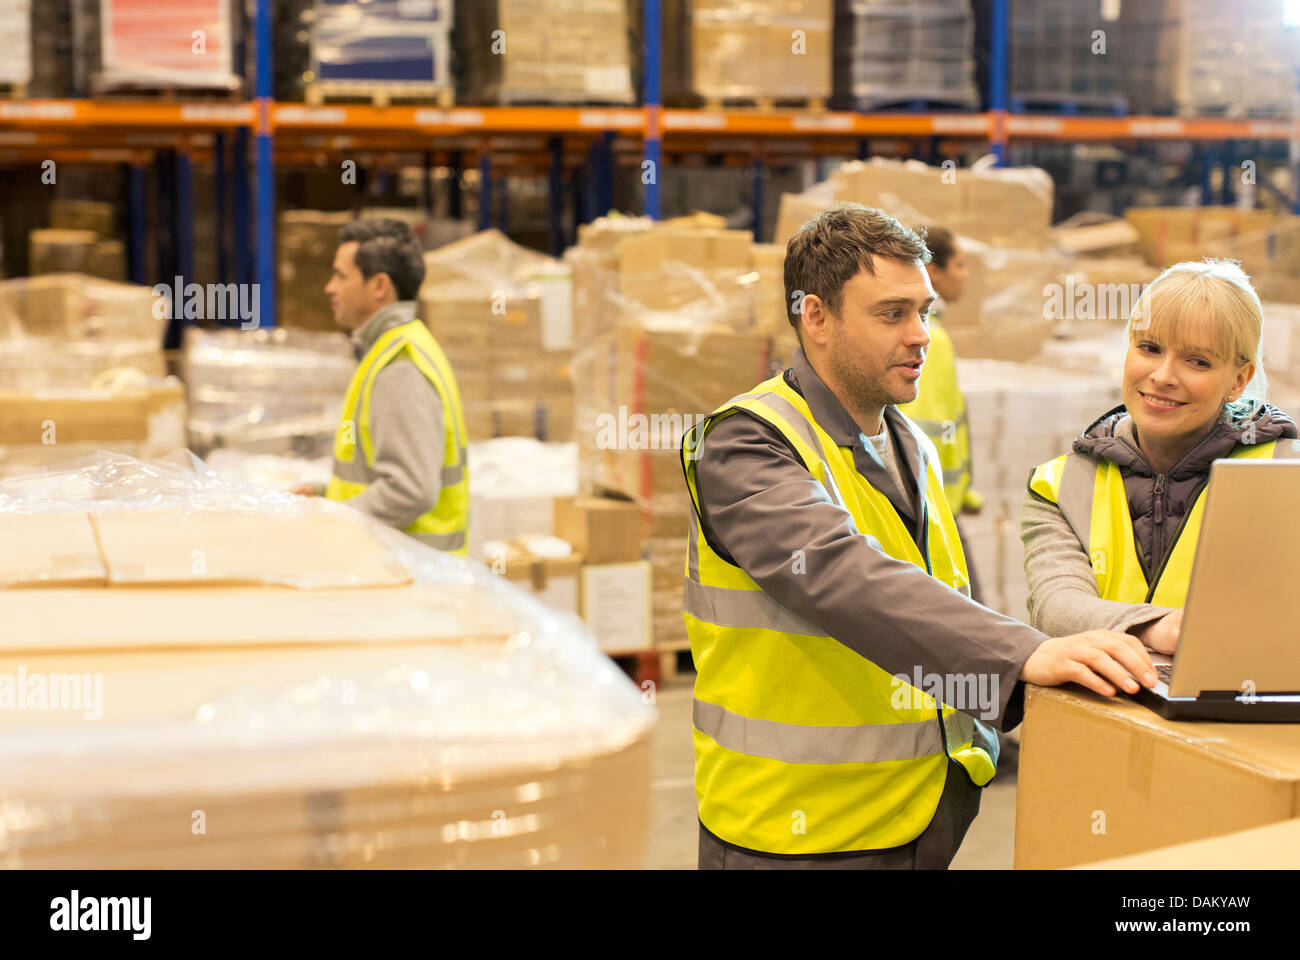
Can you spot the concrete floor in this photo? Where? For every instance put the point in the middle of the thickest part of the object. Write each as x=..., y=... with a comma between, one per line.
x=675, y=829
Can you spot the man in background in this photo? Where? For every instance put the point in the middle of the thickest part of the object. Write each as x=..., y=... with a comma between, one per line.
x=939, y=408
x=399, y=453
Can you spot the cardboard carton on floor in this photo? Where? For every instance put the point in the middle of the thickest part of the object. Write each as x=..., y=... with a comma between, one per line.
x=1102, y=778
x=538, y=565
x=602, y=529
x=616, y=605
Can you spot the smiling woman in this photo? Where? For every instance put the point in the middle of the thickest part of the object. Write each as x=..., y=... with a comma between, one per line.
x=1109, y=529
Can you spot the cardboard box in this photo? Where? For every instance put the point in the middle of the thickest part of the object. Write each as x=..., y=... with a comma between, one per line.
x=308, y=240
x=1104, y=778
x=530, y=563
x=602, y=529
x=616, y=605
x=1275, y=847
x=49, y=549
x=82, y=215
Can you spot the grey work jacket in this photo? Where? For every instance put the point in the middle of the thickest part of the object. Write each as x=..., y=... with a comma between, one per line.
x=760, y=507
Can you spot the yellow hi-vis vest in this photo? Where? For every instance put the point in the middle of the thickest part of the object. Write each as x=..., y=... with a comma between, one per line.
x=803, y=746
x=940, y=410
x=1090, y=495
x=446, y=524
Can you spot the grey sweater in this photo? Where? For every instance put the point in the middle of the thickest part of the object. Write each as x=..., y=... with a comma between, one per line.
x=1063, y=595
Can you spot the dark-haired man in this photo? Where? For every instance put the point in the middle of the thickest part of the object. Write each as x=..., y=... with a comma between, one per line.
x=399, y=454
x=826, y=590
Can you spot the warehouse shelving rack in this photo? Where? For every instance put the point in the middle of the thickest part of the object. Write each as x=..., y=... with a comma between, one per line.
x=497, y=140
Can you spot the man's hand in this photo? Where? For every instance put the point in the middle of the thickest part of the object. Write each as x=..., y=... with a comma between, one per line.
x=304, y=490
x=1100, y=660
x=1162, y=635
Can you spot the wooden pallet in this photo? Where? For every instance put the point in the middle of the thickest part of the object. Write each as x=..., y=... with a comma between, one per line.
x=766, y=104
x=643, y=666
x=378, y=94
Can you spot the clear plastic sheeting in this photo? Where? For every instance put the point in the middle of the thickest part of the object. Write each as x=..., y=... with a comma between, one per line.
x=448, y=720
x=266, y=391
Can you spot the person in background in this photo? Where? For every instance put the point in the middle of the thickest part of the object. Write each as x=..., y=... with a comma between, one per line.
x=823, y=568
x=1110, y=529
x=939, y=408
x=399, y=453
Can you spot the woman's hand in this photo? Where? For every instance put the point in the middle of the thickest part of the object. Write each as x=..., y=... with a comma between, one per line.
x=1162, y=635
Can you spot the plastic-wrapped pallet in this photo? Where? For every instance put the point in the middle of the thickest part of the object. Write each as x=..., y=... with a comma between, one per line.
x=63, y=330
x=266, y=391
x=327, y=691
x=1209, y=58
x=747, y=50
x=153, y=44
x=543, y=51
x=1058, y=60
x=513, y=482
x=1020, y=415
x=891, y=53
x=15, y=27
x=399, y=46
x=503, y=315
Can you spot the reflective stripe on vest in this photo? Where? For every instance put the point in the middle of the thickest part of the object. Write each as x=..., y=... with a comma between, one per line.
x=1091, y=497
x=445, y=525
x=803, y=746
x=940, y=410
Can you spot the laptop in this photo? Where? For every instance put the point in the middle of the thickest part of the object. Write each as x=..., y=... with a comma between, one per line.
x=1238, y=658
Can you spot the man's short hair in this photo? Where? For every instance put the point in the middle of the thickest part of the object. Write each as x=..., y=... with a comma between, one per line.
x=831, y=248
x=387, y=246
x=942, y=245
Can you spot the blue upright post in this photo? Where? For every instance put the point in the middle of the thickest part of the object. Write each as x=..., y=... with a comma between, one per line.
x=757, y=170
x=555, y=189
x=1228, y=159
x=1207, y=175
x=602, y=174
x=428, y=182
x=653, y=137
x=184, y=213
x=454, y=208
x=265, y=169
x=219, y=204
x=484, y=190
x=998, y=79
x=243, y=199
x=136, y=220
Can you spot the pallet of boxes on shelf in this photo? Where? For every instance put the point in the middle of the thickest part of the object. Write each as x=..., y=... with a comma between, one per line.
x=543, y=51
x=1061, y=57
x=889, y=54
x=381, y=50
x=82, y=370
x=669, y=331
x=135, y=45
x=503, y=315
x=1206, y=58
x=752, y=53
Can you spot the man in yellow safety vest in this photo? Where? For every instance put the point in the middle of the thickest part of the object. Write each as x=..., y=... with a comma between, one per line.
x=399, y=453
x=842, y=669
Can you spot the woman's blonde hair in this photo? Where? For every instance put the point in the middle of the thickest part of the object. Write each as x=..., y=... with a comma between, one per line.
x=1208, y=305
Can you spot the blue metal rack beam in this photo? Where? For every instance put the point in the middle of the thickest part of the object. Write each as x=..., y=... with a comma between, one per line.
x=998, y=77
x=652, y=29
x=136, y=229
x=265, y=169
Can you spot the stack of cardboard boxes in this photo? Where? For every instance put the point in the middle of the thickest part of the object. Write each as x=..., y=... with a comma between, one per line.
x=768, y=50
x=308, y=240
x=1020, y=416
x=82, y=369
x=670, y=330
x=504, y=317
x=277, y=668
x=80, y=239
x=553, y=51
x=591, y=566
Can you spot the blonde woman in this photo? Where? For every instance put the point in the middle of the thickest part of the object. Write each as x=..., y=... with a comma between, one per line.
x=1110, y=529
